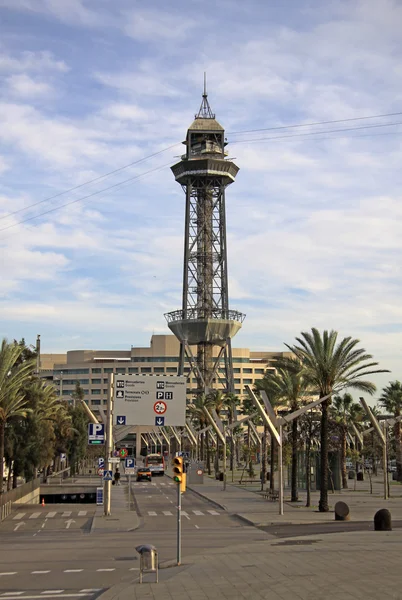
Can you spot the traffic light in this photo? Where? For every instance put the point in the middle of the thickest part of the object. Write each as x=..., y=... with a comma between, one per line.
x=179, y=475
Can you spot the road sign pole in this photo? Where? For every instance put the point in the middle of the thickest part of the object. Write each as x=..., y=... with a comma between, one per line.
x=178, y=525
x=109, y=446
x=129, y=492
x=280, y=461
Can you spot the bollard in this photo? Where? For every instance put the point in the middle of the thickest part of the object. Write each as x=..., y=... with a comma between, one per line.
x=148, y=560
x=382, y=520
x=342, y=512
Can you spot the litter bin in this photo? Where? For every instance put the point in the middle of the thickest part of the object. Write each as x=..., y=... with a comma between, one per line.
x=148, y=560
x=220, y=476
x=351, y=475
x=360, y=476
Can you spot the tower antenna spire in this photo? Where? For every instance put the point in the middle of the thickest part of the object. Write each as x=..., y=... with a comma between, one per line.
x=205, y=111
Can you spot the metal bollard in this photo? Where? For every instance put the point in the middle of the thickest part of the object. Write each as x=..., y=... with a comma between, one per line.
x=148, y=560
x=382, y=520
x=342, y=512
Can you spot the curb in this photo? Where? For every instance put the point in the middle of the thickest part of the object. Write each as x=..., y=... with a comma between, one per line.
x=197, y=493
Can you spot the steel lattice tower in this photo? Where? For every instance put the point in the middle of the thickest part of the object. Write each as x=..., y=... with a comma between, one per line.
x=205, y=320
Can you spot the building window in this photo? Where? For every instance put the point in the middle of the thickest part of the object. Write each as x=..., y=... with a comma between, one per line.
x=171, y=370
x=121, y=370
x=108, y=370
x=95, y=392
x=67, y=392
x=259, y=371
x=154, y=359
x=237, y=391
x=237, y=370
x=104, y=401
x=105, y=391
x=106, y=381
x=248, y=381
x=133, y=369
x=97, y=370
x=96, y=381
x=146, y=370
x=95, y=402
x=159, y=370
x=247, y=370
x=71, y=372
x=237, y=381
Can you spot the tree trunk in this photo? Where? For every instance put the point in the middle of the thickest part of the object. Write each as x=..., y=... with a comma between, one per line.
x=216, y=461
x=208, y=454
x=374, y=459
x=343, y=458
x=398, y=450
x=9, y=480
x=15, y=478
x=308, y=470
x=2, y=430
x=264, y=458
x=294, y=497
x=323, y=503
x=272, y=473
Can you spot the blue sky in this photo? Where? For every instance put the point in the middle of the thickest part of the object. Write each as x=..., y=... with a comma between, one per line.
x=314, y=221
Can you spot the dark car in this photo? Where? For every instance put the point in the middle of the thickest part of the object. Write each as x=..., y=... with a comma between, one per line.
x=144, y=474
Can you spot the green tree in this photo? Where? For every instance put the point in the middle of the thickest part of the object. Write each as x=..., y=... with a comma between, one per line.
x=330, y=367
x=78, y=441
x=288, y=385
x=391, y=400
x=14, y=374
x=78, y=394
x=345, y=412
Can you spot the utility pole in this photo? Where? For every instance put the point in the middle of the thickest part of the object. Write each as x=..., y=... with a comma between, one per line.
x=37, y=355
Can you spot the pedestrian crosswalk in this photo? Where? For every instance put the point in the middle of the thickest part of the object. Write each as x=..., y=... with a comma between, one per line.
x=50, y=514
x=197, y=513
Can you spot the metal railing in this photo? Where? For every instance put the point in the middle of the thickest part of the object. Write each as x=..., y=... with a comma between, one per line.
x=194, y=314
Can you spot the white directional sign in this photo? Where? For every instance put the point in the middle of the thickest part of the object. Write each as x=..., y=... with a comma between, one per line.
x=149, y=400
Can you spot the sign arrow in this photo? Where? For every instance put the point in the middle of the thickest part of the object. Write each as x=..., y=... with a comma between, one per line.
x=159, y=421
x=16, y=528
x=120, y=421
x=68, y=523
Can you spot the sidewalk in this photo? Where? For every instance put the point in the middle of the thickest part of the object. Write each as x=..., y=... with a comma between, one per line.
x=343, y=566
x=251, y=507
x=123, y=517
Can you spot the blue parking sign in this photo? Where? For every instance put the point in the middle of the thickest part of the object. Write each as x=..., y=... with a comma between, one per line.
x=129, y=463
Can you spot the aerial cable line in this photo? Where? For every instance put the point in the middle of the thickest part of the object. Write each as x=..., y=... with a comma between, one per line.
x=85, y=197
x=77, y=187
x=317, y=123
x=294, y=135
x=178, y=143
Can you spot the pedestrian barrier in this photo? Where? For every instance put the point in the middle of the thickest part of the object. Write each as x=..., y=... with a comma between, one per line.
x=5, y=510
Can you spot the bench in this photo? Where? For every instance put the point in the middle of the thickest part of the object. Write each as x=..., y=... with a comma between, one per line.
x=271, y=495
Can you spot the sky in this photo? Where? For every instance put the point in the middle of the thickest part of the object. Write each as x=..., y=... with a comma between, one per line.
x=314, y=218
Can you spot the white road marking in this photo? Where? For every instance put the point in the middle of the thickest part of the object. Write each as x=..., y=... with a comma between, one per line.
x=34, y=515
x=11, y=594
x=52, y=592
x=73, y=571
x=198, y=513
x=51, y=515
x=16, y=528
x=66, y=513
x=43, y=524
x=18, y=516
x=167, y=513
x=134, y=569
x=213, y=512
x=39, y=572
x=78, y=595
x=196, y=526
x=152, y=513
x=82, y=513
x=105, y=570
x=11, y=573
x=91, y=590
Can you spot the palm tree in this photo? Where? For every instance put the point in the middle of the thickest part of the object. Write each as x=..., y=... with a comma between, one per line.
x=345, y=412
x=288, y=385
x=13, y=376
x=217, y=400
x=197, y=415
x=330, y=367
x=391, y=400
x=232, y=402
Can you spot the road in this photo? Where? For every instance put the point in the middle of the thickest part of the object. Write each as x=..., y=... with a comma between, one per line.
x=43, y=554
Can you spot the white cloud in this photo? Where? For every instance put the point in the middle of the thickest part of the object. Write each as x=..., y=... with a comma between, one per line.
x=32, y=61
x=24, y=86
x=151, y=24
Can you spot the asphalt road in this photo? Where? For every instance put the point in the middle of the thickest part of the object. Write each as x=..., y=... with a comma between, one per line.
x=43, y=554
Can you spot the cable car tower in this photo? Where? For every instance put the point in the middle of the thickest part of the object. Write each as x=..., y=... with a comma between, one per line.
x=205, y=320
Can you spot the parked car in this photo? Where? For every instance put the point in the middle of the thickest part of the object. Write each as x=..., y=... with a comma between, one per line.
x=144, y=474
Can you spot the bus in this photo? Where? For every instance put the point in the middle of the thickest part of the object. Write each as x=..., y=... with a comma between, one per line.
x=155, y=463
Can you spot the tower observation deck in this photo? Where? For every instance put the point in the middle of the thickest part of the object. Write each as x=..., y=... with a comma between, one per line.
x=205, y=320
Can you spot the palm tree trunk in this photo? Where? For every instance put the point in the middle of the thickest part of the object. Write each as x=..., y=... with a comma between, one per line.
x=208, y=454
x=264, y=458
x=216, y=461
x=323, y=503
x=308, y=470
x=9, y=465
x=373, y=445
x=398, y=450
x=272, y=473
x=2, y=431
x=294, y=497
x=343, y=458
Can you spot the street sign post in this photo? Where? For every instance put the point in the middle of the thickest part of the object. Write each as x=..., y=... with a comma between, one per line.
x=129, y=466
x=101, y=462
x=99, y=496
x=149, y=400
x=96, y=434
x=107, y=475
x=101, y=471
